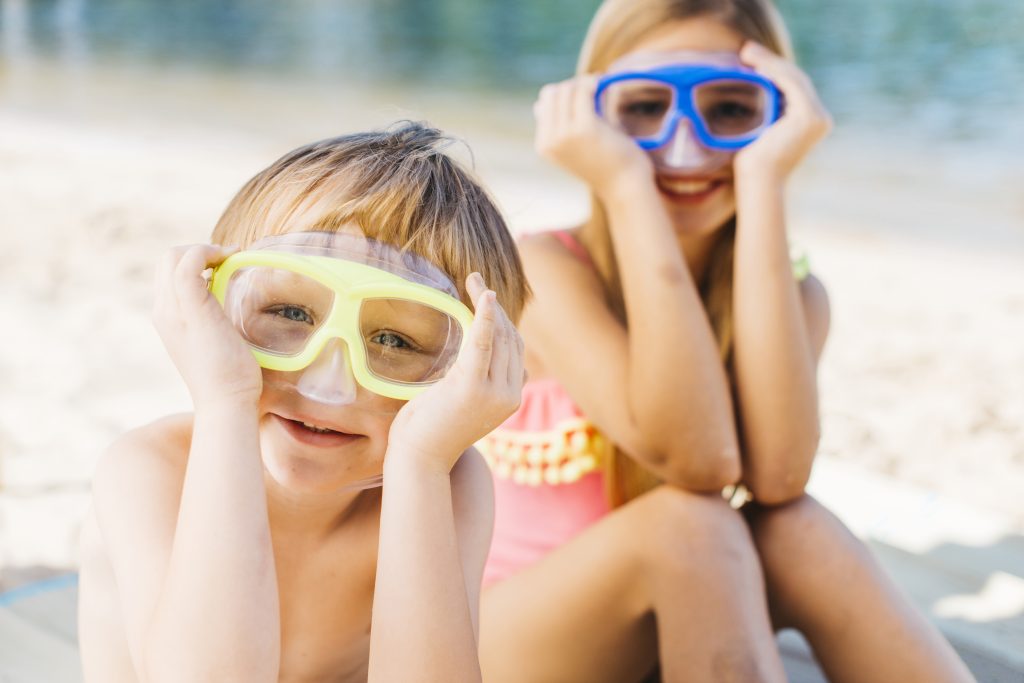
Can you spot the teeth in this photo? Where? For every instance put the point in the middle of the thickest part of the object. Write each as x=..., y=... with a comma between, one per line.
x=686, y=186
x=320, y=430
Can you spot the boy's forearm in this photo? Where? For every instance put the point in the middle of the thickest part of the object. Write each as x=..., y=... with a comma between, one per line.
x=218, y=615
x=422, y=624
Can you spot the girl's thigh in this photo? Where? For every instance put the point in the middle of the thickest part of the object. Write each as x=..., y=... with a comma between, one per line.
x=586, y=612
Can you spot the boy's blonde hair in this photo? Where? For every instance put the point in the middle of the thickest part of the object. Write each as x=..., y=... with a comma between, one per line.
x=617, y=27
x=399, y=187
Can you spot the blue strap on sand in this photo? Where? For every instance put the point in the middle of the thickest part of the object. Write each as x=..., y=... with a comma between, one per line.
x=37, y=588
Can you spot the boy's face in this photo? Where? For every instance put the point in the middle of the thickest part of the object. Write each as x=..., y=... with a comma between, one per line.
x=304, y=458
x=346, y=329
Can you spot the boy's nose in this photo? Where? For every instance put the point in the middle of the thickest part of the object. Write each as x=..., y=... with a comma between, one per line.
x=329, y=378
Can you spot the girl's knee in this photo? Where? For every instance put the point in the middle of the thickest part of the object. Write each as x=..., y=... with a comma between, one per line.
x=674, y=528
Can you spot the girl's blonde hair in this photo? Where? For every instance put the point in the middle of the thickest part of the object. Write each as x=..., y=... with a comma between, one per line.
x=399, y=187
x=617, y=27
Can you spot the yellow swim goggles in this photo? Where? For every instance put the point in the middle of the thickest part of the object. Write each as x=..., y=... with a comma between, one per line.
x=291, y=296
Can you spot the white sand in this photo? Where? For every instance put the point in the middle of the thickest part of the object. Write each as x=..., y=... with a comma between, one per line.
x=922, y=377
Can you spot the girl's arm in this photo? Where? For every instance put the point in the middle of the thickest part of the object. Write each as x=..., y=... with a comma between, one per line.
x=779, y=325
x=659, y=389
x=437, y=509
x=204, y=605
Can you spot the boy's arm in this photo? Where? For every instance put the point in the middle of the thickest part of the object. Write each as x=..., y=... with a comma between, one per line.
x=193, y=561
x=434, y=536
x=437, y=508
x=193, y=565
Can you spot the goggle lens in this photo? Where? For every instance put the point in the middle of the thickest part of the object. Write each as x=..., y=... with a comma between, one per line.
x=408, y=341
x=640, y=108
x=278, y=311
x=731, y=109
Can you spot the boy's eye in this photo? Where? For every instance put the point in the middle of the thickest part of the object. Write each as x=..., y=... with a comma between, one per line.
x=391, y=340
x=293, y=313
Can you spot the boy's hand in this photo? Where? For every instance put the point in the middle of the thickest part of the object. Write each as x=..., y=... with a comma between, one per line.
x=480, y=391
x=572, y=135
x=211, y=356
x=802, y=125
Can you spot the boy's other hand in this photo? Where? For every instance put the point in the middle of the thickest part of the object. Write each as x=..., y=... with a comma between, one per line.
x=480, y=391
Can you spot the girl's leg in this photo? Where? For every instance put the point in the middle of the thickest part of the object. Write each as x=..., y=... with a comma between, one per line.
x=825, y=583
x=672, y=570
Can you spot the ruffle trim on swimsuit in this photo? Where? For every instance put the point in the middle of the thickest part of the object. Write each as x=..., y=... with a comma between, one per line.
x=562, y=455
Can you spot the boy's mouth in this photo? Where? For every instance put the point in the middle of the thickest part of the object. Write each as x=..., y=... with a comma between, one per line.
x=313, y=434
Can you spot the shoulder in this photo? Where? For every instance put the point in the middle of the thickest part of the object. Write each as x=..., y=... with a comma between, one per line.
x=556, y=250
x=562, y=277
x=817, y=311
x=144, y=464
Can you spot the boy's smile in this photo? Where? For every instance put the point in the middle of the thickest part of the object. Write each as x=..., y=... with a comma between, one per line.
x=315, y=432
x=311, y=448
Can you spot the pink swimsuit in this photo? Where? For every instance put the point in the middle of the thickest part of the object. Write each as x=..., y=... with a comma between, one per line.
x=548, y=466
x=547, y=461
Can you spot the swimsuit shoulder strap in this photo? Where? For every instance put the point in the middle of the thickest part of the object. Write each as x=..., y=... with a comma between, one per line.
x=574, y=246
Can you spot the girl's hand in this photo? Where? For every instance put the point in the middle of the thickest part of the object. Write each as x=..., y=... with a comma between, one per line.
x=480, y=391
x=211, y=356
x=803, y=124
x=573, y=136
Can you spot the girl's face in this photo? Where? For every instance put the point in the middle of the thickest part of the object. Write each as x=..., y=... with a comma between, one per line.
x=698, y=202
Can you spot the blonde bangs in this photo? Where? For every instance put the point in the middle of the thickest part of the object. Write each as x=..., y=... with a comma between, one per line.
x=397, y=187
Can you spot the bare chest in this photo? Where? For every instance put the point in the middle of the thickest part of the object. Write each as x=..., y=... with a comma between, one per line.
x=326, y=601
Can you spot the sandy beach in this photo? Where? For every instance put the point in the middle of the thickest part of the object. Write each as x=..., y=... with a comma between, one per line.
x=921, y=254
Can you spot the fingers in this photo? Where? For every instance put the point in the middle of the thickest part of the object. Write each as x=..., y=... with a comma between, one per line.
x=482, y=332
x=564, y=108
x=583, y=97
x=503, y=347
x=801, y=97
x=179, y=275
x=188, y=274
x=475, y=286
x=496, y=346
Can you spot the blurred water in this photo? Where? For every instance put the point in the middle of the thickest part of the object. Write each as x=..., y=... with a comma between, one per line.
x=928, y=69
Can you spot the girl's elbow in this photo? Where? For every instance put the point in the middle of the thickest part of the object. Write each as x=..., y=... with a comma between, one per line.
x=779, y=487
x=781, y=476
x=715, y=470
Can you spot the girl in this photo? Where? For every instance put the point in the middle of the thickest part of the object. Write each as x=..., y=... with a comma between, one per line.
x=250, y=540
x=672, y=325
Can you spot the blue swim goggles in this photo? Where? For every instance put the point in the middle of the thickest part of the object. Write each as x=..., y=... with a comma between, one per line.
x=727, y=107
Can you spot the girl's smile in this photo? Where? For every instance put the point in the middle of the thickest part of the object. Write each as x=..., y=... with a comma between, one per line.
x=689, y=191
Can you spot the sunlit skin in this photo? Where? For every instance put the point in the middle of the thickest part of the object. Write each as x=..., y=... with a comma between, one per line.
x=676, y=577
x=238, y=543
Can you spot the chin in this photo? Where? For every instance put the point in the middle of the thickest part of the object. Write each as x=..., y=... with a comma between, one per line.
x=319, y=472
x=698, y=223
x=701, y=218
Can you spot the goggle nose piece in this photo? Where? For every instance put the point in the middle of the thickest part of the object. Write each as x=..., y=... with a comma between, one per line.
x=329, y=379
x=683, y=150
